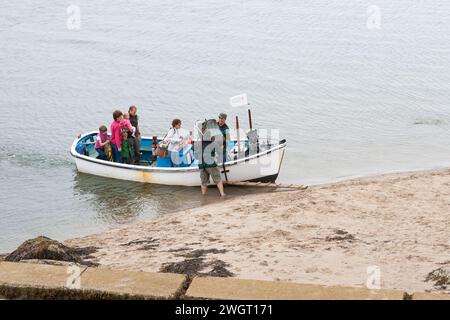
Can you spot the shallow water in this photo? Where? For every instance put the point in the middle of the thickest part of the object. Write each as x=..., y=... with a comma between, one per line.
x=350, y=100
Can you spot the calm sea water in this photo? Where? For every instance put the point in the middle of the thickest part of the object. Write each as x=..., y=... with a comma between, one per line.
x=351, y=100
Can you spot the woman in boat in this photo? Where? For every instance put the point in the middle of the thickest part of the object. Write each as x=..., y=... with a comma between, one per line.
x=175, y=141
x=116, y=136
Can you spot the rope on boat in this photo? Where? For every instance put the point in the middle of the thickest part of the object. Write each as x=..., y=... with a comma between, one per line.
x=267, y=185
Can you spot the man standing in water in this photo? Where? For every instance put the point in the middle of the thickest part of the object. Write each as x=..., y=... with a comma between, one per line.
x=207, y=163
x=222, y=124
x=137, y=139
x=225, y=133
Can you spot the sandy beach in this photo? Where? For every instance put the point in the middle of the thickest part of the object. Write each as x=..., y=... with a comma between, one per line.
x=328, y=234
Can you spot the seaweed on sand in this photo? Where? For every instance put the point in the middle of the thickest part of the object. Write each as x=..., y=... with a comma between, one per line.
x=440, y=277
x=194, y=264
x=341, y=235
x=43, y=248
x=146, y=244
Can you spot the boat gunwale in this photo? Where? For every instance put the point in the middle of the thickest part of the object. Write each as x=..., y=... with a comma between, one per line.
x=75, y=154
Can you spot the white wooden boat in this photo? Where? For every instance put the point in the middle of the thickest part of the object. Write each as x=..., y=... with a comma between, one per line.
x=262, y=166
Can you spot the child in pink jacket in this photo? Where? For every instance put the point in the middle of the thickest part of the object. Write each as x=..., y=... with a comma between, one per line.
x=126, y=124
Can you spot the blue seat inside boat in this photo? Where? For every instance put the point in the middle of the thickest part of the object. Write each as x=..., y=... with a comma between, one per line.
x=86, y=146
x=163, y=162
x=185, y=157
x=146, y=150
x=80, y=147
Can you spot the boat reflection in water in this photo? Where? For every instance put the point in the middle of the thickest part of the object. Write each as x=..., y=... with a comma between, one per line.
x=118, y=201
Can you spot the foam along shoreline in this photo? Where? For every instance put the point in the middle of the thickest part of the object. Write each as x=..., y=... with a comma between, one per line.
x=345, y=233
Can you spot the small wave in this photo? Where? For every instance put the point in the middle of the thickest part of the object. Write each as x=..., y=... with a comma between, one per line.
x=430, y=122
x=34, y=160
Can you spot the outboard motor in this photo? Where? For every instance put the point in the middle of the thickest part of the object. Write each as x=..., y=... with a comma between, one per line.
x=253, y=142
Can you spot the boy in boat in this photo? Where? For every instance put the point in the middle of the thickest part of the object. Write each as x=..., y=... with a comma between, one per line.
x=207, y=163
x=127, y=148
x=101, y=142
x=125, y=125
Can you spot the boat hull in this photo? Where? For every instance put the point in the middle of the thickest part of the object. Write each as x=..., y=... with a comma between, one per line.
x=263, y=166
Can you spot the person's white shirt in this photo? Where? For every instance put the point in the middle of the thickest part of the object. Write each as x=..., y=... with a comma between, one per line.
x=174, y=138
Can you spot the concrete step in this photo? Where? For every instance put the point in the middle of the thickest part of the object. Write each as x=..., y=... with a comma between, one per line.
x=226, y=288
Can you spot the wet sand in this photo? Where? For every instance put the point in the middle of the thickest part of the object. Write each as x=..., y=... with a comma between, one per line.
x=328, y=234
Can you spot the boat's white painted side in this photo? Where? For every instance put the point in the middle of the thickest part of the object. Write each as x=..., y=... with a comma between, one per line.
x=260, y=165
